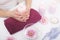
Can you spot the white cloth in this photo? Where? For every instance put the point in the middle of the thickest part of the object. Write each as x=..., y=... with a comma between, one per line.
x=8, y=4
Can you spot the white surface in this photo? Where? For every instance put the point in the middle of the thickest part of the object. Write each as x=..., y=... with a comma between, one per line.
x=41, y=28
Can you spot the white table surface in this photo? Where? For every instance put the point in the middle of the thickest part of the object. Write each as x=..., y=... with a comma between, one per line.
x=41, y=28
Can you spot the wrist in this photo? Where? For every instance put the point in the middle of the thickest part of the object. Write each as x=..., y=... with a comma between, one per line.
x=8, y=14
x=28, y=8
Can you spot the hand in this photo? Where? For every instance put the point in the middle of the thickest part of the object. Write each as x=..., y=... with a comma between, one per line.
x=20, y=16
x=25, y=15
x=15, y=14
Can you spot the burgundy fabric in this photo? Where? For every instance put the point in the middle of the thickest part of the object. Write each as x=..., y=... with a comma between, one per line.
x=14, y=26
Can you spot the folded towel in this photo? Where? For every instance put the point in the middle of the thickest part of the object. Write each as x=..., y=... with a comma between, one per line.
x=14, y=26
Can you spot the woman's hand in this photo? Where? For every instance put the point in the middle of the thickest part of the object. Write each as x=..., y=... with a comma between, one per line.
x=20, y=16
x=24, y=16
x=16, y=15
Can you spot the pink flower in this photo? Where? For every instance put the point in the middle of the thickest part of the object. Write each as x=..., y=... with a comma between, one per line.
x=10, y=38
x=52, y=9
x=31, y=34
x=43, y=20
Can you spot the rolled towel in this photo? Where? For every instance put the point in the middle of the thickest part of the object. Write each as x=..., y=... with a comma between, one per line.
x=14, y=26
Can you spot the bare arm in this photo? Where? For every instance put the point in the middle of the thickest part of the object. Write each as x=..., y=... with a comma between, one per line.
x=7, y=13
x=3, y=13
x=28, y=4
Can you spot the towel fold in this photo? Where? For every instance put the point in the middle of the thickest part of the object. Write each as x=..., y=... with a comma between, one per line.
x=14, y=26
